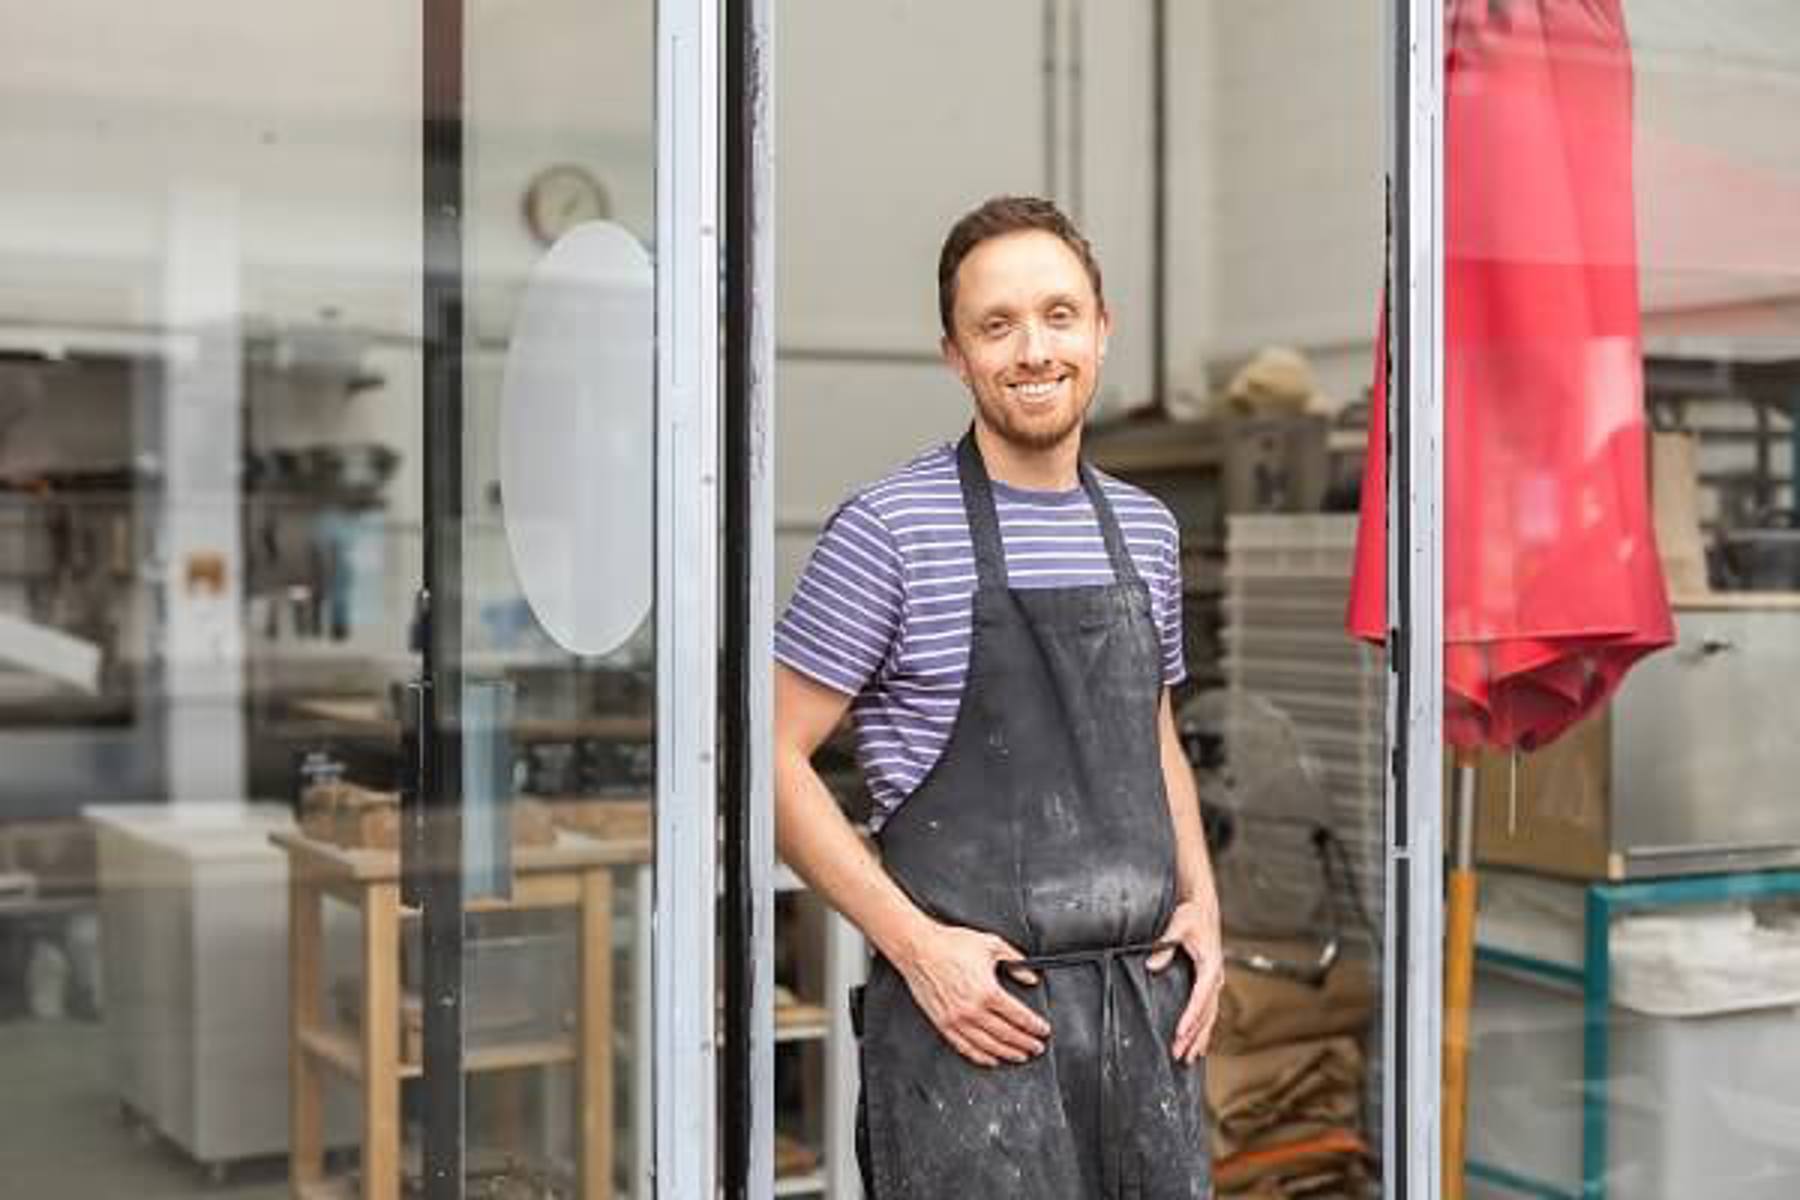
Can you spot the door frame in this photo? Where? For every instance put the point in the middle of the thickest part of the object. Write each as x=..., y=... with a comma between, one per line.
x=1412, y=966
x=432, y=845
x=713, y=672
x=747, y=675
x=684, y=954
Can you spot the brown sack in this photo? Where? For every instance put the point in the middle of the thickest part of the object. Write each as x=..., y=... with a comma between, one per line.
x=1283, y=1093
x=1258, y=1010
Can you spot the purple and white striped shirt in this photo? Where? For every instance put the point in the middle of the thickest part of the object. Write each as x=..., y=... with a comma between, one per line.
x=882, y=611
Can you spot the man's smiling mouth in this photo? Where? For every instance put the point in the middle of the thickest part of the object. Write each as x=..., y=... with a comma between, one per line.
x=1035, y=390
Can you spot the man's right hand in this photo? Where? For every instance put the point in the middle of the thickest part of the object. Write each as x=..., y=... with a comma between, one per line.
x=954, y=976
x=953, y=972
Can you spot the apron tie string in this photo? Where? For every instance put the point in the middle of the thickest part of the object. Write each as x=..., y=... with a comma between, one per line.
x=1111, y=1150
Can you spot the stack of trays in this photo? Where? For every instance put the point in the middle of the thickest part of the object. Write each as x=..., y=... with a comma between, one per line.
x=1287, y=581
x=1287, y=585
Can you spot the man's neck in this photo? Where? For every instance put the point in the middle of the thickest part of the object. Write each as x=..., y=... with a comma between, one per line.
x=1052, y=470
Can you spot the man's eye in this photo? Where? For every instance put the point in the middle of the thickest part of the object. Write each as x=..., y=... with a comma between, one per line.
x=994, y=328
x=1062, y=314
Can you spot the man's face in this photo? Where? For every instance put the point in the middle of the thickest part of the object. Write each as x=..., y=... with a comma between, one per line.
x=1027, y=337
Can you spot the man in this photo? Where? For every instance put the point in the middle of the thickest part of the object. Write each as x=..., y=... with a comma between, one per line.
x=1003, y=625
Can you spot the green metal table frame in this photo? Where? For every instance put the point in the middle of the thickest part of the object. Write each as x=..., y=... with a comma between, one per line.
x=1593, y=979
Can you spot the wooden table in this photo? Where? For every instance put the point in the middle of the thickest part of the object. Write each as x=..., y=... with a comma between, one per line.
x=370, y=714
x=574, y=872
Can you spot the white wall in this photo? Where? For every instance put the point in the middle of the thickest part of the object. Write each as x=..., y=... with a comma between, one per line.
x=1294, y=151
x=1279, y=112
x=895, y=117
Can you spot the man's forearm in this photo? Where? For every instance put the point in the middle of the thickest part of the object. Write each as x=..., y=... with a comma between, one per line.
x=1193, y=864
x=814, y=838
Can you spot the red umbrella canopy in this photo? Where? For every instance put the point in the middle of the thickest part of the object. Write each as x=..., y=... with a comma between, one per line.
x=1552, y=584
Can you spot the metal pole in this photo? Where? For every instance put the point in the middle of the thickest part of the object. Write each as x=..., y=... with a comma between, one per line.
x=1159, y=204
x=1077, y=115
x=1051, y=34
x=1413, y=964
x=747, y=686
x=440, y=608
x=687, y=596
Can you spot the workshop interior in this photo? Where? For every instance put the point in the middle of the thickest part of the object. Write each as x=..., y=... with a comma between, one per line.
x=219, y=482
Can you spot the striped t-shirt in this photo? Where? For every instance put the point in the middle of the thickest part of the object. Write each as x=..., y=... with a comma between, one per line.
x=882, y=611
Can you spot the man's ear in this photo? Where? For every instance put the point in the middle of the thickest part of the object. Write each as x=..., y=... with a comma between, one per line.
x=953, y=358
x=1105, y=331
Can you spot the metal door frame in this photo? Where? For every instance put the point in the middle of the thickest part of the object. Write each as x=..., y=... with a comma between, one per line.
x=684, y=953
x=694, y=489
x=746, y=709
x=714, y=1105
x=432, y=845
x=1413, y=963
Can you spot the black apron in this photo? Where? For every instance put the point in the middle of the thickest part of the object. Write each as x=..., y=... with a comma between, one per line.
x=1045, y=822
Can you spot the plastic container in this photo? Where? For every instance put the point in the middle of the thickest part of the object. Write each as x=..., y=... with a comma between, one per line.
x=1697, y=1106
x=519, y=982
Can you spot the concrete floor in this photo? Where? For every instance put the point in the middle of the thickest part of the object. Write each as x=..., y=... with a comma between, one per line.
x=63, y=1134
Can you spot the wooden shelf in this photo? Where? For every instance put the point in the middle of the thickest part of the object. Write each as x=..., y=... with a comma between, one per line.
x=805, y=1174
x=575, y=873
x=518, y=1055
x=335, y=1049
x=810, y=1184
x=326, y=1189
x=338, y=1049
x=801, y=1022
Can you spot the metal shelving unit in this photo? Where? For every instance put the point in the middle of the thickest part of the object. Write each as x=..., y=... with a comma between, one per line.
x=844, y=966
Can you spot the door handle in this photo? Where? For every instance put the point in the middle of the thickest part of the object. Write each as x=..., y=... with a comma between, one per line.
x=412, y=700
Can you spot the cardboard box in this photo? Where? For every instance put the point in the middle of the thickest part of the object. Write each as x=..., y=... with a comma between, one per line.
x=1549, y=811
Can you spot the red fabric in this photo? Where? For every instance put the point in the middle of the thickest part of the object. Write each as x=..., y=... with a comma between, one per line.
x=1552, y=585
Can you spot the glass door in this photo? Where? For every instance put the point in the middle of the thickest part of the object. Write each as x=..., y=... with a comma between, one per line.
x=360, y=498
x=563, y=805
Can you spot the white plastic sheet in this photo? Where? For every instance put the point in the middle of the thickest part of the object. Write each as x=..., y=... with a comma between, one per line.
x=1677, y=962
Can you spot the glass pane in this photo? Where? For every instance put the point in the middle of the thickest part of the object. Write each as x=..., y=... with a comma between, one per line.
x=1622, y=365
x=1277, y=269
x=1272, y=266
x=558, y=636
x=211, y=503
x=210, y=546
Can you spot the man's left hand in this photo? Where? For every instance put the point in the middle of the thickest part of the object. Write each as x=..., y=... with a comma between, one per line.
x=1195, y=928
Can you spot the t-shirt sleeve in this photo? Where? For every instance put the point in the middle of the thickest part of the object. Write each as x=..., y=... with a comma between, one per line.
x=1165, y=602
x=841, y=624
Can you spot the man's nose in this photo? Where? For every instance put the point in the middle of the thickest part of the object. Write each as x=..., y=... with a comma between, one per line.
x=1034, y=345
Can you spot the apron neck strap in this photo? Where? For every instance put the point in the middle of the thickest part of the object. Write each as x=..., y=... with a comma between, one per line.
x=984, y=520
x=1124, y=570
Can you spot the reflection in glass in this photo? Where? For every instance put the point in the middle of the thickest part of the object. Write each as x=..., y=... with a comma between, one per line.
x=210, y=550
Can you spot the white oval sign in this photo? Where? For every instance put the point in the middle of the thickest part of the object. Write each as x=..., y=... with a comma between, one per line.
x=577, y=455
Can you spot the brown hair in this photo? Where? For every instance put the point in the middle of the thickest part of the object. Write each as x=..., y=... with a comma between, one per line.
x=997, y=218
